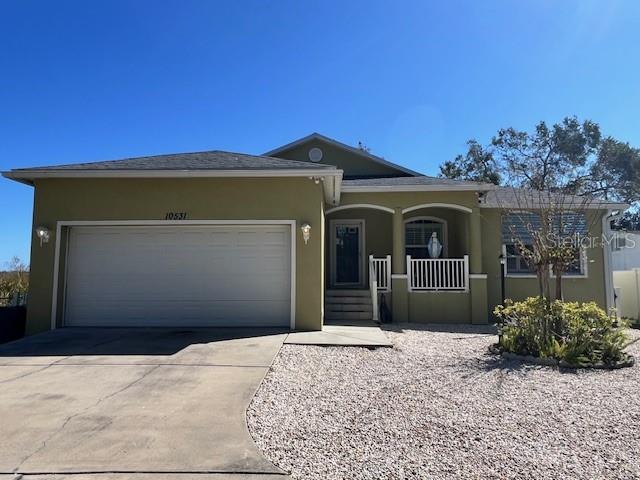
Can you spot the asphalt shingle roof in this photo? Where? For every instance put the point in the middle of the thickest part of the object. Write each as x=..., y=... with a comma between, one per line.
x=507, y=197
x=212, y=160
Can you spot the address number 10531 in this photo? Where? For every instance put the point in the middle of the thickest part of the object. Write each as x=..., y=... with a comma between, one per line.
x=175, y=216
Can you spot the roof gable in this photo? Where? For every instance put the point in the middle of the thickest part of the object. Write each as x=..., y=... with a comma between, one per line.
x=355, y=163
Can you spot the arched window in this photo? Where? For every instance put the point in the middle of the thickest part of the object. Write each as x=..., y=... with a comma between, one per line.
x=417, y=233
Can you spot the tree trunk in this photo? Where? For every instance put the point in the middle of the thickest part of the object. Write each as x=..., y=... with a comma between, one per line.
x=558, y=284
x=543, y=281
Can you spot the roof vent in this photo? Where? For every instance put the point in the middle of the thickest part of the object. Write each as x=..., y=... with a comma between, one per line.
x=315, y=154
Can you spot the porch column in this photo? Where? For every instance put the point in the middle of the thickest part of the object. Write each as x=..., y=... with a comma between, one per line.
x=475, y=241
x=399, y=292
x=477, y=279
x=399, y=262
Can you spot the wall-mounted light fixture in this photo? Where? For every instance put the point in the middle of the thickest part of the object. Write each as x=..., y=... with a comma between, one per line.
x=306, y=232
x=43, y=234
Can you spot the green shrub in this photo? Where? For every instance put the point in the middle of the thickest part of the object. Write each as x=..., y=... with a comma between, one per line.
x=581, y=334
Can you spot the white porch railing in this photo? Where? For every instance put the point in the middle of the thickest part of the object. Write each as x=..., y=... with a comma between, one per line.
x=382, y=270
x=379, y=280
x=373, y=289
x=438, y=273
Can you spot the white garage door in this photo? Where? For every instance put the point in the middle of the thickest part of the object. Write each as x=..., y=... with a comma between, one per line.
x=179, y=276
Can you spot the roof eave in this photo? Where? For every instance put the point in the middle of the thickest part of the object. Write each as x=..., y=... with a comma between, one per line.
x=28, y=176
x=416, y=188
x=16, y=178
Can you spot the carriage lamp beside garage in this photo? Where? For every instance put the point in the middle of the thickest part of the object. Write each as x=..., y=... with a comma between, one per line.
x=43, y=234
x=306, y=232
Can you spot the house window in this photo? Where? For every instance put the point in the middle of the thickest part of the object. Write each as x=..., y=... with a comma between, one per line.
x=577, y=267
x=418, y=234
x=516, y=263
x=523, y=225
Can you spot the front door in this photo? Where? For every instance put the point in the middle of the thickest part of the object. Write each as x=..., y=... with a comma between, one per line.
x=347, y=264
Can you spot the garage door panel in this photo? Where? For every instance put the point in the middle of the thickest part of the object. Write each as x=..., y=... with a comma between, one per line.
x=167, y=276
x=192, y=314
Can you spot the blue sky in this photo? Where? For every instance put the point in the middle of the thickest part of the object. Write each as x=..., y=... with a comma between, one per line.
x=85, y=81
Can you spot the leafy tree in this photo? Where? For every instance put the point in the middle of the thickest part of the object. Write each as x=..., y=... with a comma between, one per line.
x=476, y=165
x=629, y=221
x=615, y=175
x=570, y=157
x=556, y=158
x=550, y=158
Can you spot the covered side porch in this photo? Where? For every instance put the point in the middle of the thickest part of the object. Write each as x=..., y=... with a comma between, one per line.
x=423, y=261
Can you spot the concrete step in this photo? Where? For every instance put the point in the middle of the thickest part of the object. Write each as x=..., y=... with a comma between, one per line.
x=347, y=316
x=347, y=293
x=337, y=300
x=348, y=307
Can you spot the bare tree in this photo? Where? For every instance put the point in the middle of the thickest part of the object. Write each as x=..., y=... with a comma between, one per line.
x=548, y=229
x=14, y=281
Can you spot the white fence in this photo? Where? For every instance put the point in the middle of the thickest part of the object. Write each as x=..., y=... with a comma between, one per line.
x=382, y=269
x=436, y=274
x=627, y=286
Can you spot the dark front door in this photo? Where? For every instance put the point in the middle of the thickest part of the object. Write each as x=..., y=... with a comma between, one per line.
x=347, y=253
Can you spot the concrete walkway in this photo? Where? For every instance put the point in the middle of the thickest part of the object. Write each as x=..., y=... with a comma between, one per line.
x=133, y=403
x=368, y=334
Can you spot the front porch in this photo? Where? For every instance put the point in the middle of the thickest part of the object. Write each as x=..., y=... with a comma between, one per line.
x=423, y=261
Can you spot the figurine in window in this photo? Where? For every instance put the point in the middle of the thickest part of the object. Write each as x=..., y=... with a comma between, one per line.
x=434, y=247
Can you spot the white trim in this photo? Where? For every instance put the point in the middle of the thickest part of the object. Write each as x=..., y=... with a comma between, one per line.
x=294, y=232
x=412, y=188
x=445, y=232
x=66, y=273
x=56, y=267
x=452, y=206
x=609, y=294
x=332, y=251
x=51, y=173
x=480, y=276
x=399, y=275
x=343, y=146
x=360, y=205
x=165, y=223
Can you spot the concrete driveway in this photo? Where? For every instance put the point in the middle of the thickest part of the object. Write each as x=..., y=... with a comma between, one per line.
x=133, y=401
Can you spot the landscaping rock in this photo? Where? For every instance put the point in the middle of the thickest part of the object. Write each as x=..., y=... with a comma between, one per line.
x=438, y=407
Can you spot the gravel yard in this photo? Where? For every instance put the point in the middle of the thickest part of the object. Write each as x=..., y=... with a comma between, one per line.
x=438, y=406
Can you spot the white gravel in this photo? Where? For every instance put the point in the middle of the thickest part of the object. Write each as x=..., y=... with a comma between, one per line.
x=437, y=406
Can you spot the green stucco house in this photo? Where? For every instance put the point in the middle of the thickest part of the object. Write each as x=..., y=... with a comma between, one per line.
x=312, y=231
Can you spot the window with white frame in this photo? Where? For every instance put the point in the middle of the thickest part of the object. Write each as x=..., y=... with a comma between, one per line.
x=418, y=233
x=579, y=264
x=519, y=225
x=516, y=263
